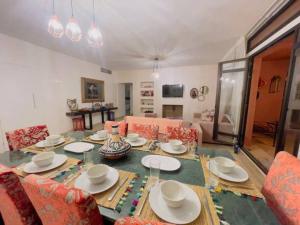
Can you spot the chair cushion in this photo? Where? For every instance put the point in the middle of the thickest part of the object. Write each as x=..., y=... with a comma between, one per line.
x=25, y=137
x=182, y=133
x=122, y=127
x=146, y=131
x=282, y=188
x=137, y=221
x=15, y=206
x=57, y=204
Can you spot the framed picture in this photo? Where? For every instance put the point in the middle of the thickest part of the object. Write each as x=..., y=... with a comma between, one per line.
x=92, y=90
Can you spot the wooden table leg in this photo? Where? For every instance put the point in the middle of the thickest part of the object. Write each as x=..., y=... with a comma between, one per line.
x=91, y=121
x=102, y=116
x=83, y=118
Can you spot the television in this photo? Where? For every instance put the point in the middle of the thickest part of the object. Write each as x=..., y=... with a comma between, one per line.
x=172, y=91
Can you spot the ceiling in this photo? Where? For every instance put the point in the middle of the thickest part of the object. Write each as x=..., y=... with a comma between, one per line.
x=180, y=32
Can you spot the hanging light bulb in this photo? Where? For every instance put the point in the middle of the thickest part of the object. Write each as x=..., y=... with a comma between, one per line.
x=73, y=31
x=55, y=28
x=94, y=37
x=155, y=72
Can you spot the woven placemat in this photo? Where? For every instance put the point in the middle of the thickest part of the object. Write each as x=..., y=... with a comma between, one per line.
x=204, y=217
x=88, y=139
x=158, y=151
x=247, y=187
x=102, y=198
x=51, y=173
x=35, y=149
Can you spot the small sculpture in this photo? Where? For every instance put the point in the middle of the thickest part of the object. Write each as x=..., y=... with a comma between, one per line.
x=72, y=103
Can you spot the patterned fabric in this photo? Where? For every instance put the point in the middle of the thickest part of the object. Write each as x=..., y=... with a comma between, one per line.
x=15, y=205
x=146, y=131
x=122, y=127
x=57, y=204
x=137, y=221
x=182, y=133
x=25, y=137
x=282, y=188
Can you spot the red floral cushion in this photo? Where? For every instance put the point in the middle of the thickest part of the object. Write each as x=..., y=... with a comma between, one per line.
x=137, y=221
x=122, y=127
x=25, y=137
x=146, y=131
x=57, y=204
x=282, y=188
x=182, y=133
x=15, y=206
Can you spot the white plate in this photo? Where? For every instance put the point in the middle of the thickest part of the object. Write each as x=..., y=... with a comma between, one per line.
x=168, y=148
x=139, y=142
x=187, y=213
x=83, y=183
x=58, y=160
x=237, y=175
x=166, y=163
x=44, y=144
x=79, y=147
x=95, y=137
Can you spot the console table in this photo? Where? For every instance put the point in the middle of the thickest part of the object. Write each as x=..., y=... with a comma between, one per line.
x=89, y=112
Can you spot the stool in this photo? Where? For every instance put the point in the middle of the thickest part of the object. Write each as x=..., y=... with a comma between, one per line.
x=78, y=124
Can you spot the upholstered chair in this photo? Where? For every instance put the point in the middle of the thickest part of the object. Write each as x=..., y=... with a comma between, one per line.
x=147, y=131
x=282, y=188
x=15, y=206
x=122, y=127
x=137, y=221
x=25, y=137
x=57, y=204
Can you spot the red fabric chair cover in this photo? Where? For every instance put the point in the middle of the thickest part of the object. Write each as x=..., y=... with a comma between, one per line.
x=25, y=137
x=122, y=127
x=137, y=221
x=147, y=131
x=282, y=188
x=182, y=133
x=57, y=204
x=15, y=206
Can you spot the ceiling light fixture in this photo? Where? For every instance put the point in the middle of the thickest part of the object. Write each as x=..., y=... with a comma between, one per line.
x=155, y=72
x=94, y=37
x=73, y=31
x=55, y=27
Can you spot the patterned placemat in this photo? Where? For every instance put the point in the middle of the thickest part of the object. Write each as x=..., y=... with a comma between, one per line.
x=204, y=217
x=35, y=149
x=247, y=187
x=189, y=154
x=88, y=139
x=102, y=198
x=51, y=173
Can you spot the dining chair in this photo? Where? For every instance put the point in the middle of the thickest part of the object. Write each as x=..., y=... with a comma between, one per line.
x=182, y=133
x=24, y=137
x=122, y=127
x=137, y=221
x=147, y=131
x=15, y=206
x=282, y=188
x=57, y=204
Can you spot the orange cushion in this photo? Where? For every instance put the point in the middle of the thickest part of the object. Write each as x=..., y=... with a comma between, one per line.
x=182, y=133
x=146, y=131
x=282, y=188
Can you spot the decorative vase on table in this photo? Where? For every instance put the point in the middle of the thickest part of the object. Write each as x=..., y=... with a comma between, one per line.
x=115, y=147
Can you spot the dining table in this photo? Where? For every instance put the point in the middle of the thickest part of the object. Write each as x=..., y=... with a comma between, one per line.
x=234, y=208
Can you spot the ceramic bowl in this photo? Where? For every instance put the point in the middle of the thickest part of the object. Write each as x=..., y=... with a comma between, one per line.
x=175, y=144
x=43, y=159
x=133, y=137
x=224, y=165
x=53, y=139
x=173, y=193
x=97, y=173
x=102, y=133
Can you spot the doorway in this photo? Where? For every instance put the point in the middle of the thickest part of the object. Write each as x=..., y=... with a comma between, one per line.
x=268, y=85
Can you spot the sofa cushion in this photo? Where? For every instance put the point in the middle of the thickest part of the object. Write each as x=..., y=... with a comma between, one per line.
x=282, y=188
x=182, y=133
x=147, y=131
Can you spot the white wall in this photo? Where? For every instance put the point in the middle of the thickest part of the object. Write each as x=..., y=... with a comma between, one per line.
x=35, y=83
x=238, y=50
x=190, y=77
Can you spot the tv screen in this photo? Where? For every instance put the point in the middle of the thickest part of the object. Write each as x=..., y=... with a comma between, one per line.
x=175, y=90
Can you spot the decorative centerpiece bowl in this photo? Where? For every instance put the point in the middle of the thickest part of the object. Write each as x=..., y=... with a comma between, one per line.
x=115, y=147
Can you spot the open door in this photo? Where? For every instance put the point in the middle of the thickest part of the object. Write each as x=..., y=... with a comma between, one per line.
x=231, y=91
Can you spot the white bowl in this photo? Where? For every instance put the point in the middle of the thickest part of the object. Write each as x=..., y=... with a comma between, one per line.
x=173, y=193
x=53, y=139
x=102, y=133
x=224, y=165
x=43, y=159
x=97, y=173
x=133, y=137
x=175, y=144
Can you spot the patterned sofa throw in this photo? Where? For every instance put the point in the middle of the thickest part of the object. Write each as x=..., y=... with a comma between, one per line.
x=282, y=188
x=57, y=204
x=181, y=133
x=25, y=137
